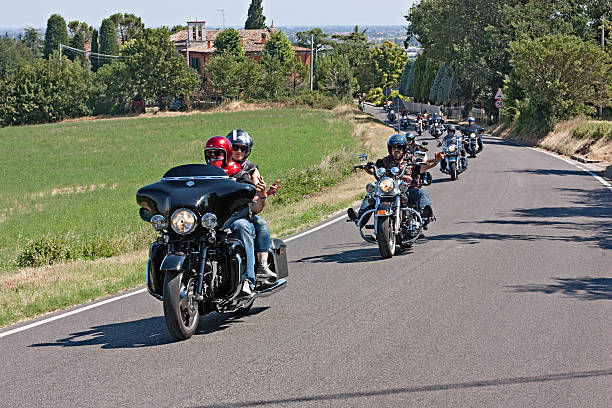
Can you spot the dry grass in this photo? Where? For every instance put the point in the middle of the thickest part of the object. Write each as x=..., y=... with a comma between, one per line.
x=561, y=141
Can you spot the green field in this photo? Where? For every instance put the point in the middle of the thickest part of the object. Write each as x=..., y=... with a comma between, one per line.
x=68, y=190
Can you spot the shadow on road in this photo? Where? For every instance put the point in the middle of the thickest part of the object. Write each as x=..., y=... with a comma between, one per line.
x=409, y=390
x=142, y=333
x=590, y=213
x=581, y=288
x=350, y=256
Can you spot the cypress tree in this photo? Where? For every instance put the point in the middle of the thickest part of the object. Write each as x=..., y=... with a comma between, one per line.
x=94, y=49
x=56, y=34
x=108, y=39
x=255, y=18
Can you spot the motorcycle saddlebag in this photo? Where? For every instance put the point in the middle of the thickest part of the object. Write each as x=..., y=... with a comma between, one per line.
x=277, y=257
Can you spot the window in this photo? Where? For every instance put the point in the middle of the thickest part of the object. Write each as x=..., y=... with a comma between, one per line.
x=195, y=63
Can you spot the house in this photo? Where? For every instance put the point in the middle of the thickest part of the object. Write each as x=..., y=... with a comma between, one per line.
x=197, y=44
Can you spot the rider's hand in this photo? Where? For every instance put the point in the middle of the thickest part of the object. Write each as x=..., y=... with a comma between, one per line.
x=439, y=156
x=273, y=188
x=261, y=188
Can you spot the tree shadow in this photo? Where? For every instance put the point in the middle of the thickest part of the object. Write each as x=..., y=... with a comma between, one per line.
x=147, y=332
x=344, y=396
x=591, y=211
x=549, y=172
x=580, y=288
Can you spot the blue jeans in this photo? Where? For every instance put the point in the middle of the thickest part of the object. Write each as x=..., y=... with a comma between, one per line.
x=419, y=197
x=262, y=234
x=244, y=230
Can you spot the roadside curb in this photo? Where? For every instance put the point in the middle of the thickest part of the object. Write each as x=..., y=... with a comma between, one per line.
x=582, y=159
x=609, y=171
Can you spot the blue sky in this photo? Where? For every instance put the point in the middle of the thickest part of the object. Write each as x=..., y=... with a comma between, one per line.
x=34, y=13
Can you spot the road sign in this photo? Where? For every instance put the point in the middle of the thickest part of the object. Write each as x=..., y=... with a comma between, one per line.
x=395, y=87
x=499, y=95
x=386, y=91
x=499, y=103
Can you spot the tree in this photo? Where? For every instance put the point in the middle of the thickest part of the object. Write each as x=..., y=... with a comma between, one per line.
x=255, y=18
x=108, y=40
x=356, y=48
x=55, y=34
x=95, y=62
x=127, y=26
x=32, y=38
x=155, y=69
x=229, y=41
x=177, y=28
x=80, y=34
x=45, y=91
x=320, y=41
x=562, y=76
x=390, y=59
x=278, y=46
x=297, y=71
x=14, y=54
x=405, y=85
x=335, y=76
x=233, y=76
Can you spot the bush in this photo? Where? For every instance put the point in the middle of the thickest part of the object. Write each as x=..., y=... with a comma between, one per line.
x=593, y=130
x=375, y=96
x=317, y=100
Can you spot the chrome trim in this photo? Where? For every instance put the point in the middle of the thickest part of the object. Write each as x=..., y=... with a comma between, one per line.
x=194, y=178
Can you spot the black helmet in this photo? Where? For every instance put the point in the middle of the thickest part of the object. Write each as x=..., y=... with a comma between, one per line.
x=410, y=137
x=239, y=137
x=397, y=140
x=450, y=127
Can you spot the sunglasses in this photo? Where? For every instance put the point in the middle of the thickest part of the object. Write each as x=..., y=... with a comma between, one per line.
x=240, y=148
x=213, y=154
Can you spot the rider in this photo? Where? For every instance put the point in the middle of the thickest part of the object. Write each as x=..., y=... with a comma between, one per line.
x=436, y=120
x=450, y=133
x=391, y=116
x=218, y=152
x=398, y=148
x=472, y=127
x=242, y=144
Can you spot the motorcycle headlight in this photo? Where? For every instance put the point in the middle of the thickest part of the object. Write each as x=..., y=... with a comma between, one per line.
x=403, y=187
x=159, y=222
x=472, y=134
x=209, y=220
x=183, y=221
x=381, y=171
x=386, y=185
x=370, y=188
x=451, y=148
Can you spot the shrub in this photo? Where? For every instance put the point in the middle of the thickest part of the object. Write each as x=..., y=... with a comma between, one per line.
x=593, y=130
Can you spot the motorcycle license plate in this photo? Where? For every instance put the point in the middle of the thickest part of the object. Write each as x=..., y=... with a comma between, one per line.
x=381, y=212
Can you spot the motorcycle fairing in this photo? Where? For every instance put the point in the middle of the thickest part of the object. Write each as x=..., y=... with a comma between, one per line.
x=196, y=186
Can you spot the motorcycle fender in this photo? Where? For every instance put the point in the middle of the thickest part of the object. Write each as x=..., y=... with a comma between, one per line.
x=173, y=262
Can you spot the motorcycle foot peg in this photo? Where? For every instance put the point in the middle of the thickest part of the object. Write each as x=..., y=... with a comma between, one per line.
x=369, y=226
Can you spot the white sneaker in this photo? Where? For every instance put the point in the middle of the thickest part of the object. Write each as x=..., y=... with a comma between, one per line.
x=246, y=288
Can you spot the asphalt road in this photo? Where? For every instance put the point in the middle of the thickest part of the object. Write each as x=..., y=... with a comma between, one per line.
x=505, y=303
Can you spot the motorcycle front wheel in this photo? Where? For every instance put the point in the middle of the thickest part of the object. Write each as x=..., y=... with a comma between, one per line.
x=180, y=307
x=385, y=238
x=473, y=152
x=453, y=170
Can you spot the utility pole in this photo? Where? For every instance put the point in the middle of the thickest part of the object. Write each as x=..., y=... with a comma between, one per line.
x=222, y=11
x=603, y=47
x=311, y=58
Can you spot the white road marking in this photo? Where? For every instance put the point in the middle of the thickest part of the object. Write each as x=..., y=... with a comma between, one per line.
x=104, y=302
x=72, y=312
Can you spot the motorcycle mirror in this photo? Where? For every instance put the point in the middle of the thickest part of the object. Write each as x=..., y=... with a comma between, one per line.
x=363, y=157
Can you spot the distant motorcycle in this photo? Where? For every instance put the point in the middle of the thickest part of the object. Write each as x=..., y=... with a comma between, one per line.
x=419, y=126
x=455, y=159
x=437, y=129
x=472, y=140
x=395, y=221
x=404, y=123
x=391, y=117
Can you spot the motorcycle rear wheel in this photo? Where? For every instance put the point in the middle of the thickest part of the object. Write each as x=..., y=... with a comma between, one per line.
x=180, y=309
x=453, y=170
x=385, y=238
x=472, y=153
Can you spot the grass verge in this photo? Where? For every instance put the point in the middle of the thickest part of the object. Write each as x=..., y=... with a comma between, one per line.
x=33, y=291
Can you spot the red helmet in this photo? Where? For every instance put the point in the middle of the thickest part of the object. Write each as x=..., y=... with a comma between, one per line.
x=218, y=151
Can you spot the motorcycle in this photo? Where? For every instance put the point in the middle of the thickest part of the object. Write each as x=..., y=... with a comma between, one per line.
x=455, y=160
x=437, y=129
x=472, y=141
x=196, y=266
x=421, y=155
x=395, y=221
x=404, y=122
x=391, y=117
x=418, y=126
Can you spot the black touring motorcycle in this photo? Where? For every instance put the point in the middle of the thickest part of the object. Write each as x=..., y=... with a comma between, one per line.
x=195, y=266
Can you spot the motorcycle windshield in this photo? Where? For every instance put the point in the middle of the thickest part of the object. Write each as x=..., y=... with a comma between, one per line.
x=198, y=187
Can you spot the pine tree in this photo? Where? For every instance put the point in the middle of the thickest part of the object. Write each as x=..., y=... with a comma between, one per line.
x=403, y=85
x=56, y=34
x=255, y=18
